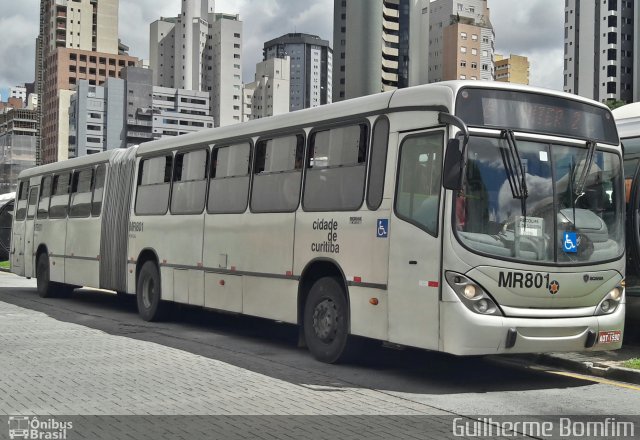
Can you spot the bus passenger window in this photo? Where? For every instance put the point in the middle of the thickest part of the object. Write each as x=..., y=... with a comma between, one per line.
x=378, y=164
x=45, y=196
x=189, y=182
x=418, y=188
x=33, y=199
x=154, y=182
x=60, y=196
x=337, y=166
x=277, y=174
x=98, y=191
x=81, y=193
x=21, y=210
x=229, y=185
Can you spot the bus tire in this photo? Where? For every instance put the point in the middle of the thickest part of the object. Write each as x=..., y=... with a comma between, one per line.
x=148, y=294
x=43, y=277
x=326, y=321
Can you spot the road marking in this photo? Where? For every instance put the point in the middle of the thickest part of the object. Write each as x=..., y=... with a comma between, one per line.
x=595, y=379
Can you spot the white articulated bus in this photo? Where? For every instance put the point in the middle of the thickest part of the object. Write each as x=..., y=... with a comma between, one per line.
x=463, y=217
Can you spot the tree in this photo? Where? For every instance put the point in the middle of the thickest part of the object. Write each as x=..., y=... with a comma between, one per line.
x=614, y=103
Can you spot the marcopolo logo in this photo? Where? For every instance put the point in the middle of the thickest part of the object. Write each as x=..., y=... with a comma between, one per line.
x=32, y=428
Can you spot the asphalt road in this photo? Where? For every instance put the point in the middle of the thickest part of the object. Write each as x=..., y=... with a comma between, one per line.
x=232, y=350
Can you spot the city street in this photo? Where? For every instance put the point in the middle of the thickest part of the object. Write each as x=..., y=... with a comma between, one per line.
x=92, y=355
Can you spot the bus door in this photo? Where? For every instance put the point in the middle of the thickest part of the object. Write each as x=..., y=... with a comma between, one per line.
x=17, y=231
x=415, y=258
x=632, y=174
x=29, y=229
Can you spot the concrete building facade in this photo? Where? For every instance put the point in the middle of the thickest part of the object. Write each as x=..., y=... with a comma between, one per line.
x=461, y=41
x=311, y=68
x=512, y=69
x=379, y=45
x=201, y=50
x=600, y=45
x=78, y=40
x=18, y=133
x=129, y=111
x=270, y=93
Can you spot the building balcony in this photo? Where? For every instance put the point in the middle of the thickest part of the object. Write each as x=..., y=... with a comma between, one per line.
x=390, y=25
x=139, y=134
x=390, y=38
x=390, y=77
x=139, y=122
x=390, y=64
x=394, y=13
x=390, y=51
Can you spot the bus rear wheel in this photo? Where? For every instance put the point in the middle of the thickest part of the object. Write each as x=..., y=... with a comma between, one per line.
x=148, y=294
x=326, y=321
x=43, y=277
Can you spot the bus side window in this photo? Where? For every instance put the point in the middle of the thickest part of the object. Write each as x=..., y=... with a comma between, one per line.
x=33, y=199
x=230, y=174
x=45, y=196
x=189, y=182
x=98, y=191
x=21, y=210
x=378, y=164
x=154, y=183
x=277, y=174
x=60, y=196
x=418, y=189
x=337, y=167
x=81, y=193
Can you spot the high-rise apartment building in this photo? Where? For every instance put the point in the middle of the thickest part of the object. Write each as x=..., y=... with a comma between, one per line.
x=514, y=69
x=311, y=68
x=601, y=42
x=378, y=45
x=269, y=94
x=78, y=40
x=201, y=50
x=461, y=41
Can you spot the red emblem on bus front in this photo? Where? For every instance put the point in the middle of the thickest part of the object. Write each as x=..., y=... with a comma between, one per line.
x=554, y=287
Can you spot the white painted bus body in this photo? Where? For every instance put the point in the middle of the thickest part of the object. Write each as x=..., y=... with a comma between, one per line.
x=255, y=263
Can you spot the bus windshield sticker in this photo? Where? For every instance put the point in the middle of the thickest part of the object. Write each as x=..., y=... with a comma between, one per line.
x=382, y=230
x=570, y=243
x=534, y=226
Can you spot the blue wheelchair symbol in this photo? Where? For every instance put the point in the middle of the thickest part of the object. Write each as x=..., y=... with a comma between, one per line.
x=383, y=228
x=570, y=242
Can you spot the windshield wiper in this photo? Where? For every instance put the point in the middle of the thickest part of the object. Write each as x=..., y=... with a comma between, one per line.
x=586, y=169
x=515, y=171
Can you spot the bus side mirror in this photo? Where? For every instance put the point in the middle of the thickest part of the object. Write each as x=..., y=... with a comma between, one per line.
x=452, y=173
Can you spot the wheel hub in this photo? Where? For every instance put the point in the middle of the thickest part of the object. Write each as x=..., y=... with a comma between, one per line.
x=148, y=292
x=325, y=320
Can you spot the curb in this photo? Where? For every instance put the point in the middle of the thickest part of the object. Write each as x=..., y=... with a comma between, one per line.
x=592, y=368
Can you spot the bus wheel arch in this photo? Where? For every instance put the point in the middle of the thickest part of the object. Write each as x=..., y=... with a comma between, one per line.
x=324, y=312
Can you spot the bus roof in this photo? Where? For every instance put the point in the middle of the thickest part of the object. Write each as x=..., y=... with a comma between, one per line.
x=76, y=162
x=628, y=120
x=438, y=96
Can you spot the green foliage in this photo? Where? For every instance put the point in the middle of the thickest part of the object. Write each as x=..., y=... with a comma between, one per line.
x=4, y=265
x=615, y=103
x=633, y=363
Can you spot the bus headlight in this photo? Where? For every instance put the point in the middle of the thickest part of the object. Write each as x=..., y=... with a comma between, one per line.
x=472, y=295
x=610, y=302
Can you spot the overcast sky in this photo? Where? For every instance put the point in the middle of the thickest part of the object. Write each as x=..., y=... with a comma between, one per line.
x=533, y=28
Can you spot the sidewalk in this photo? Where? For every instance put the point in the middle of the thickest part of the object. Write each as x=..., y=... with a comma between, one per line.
x=606, y=364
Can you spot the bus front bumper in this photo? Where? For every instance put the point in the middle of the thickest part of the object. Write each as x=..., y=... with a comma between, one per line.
x=463, y=332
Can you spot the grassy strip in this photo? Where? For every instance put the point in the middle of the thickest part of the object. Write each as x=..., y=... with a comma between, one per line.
x=4, y=265
x=633, y=363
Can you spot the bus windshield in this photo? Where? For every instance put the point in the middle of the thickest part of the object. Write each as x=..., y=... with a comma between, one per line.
x=567, y=209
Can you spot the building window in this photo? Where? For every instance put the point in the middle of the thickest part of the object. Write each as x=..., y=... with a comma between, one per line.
x=463, y=49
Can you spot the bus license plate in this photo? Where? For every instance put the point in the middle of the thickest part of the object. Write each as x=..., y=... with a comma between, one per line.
x=609, y=337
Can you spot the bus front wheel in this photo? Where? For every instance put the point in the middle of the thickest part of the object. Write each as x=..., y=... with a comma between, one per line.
x=148, y=293
x=326, y=321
